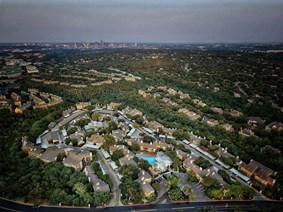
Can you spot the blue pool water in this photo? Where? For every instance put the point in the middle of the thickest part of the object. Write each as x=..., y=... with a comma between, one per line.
x=149, y=159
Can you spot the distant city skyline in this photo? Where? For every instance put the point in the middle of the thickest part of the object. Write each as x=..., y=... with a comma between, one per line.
x=162, y=21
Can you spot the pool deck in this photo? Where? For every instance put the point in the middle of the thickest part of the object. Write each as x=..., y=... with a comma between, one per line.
x=150, y=158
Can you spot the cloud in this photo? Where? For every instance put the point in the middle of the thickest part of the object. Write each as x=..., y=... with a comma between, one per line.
x=132, y=20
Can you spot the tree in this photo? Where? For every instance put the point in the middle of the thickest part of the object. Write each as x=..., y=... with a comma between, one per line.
x=192, y=177
x=94, y=155
x=117, y=154
x=148, y=139
x=183, y=148
x=248, y=193
x=172, y=181
x=129, y=171
x=82, y=122
x=67, y=140
x=135, y=125
x=177, y=163
x=79, y=188
x=36, y=193
x=99, y=173
x=204, y=143
x=181, y=134
x=175, y=194
x=60, y=157
x=190, y=191
x=112, y=126
x=57, y=196
x=130, y=190
x=95, y=116
x=72, y=130
x=101, y=198
x=86, y=199
x=89, y=133
x=106, y=118
x=66, y=173
x=156, y=186
x=208, y=182
x=224, y=175
x=170, y=141
x=143, y=164
x=109, y=141
x=139, y=119
x=74, y=142
x=228, y=161
x=135, y=147
x=200, y=161
x=214, y=193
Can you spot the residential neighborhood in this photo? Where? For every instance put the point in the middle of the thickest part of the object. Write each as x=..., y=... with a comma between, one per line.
x=109, y=140
x=141, y=125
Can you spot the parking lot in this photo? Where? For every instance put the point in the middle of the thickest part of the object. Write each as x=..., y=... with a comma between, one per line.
x=197, y=187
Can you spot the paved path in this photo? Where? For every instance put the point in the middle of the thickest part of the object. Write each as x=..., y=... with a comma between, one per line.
x=240, y=89
x=116, y=182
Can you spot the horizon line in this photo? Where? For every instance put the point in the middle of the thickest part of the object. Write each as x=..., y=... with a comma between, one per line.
x=146, y=42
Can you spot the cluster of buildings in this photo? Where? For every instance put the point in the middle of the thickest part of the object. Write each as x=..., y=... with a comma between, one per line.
x=251, y=173
x=39, y=100
x=253, y=122
x=15, y=100
x=190, y=114
x=36, y=100
x=52, y=144
x=32, y=69
x=145, y=179
x=24, y=66
x=189, y=165
x=155, y=93
x=259, y=172
x=97, y=183
x=161, y=164
x=88, y=76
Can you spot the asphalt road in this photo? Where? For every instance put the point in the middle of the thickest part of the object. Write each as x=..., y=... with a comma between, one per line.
x=116, y=182
x=6, y=205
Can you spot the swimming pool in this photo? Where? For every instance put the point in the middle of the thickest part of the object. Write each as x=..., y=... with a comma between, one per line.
x=149, y=159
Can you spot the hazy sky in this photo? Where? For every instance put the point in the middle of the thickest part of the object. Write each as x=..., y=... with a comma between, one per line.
x=141, y=20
